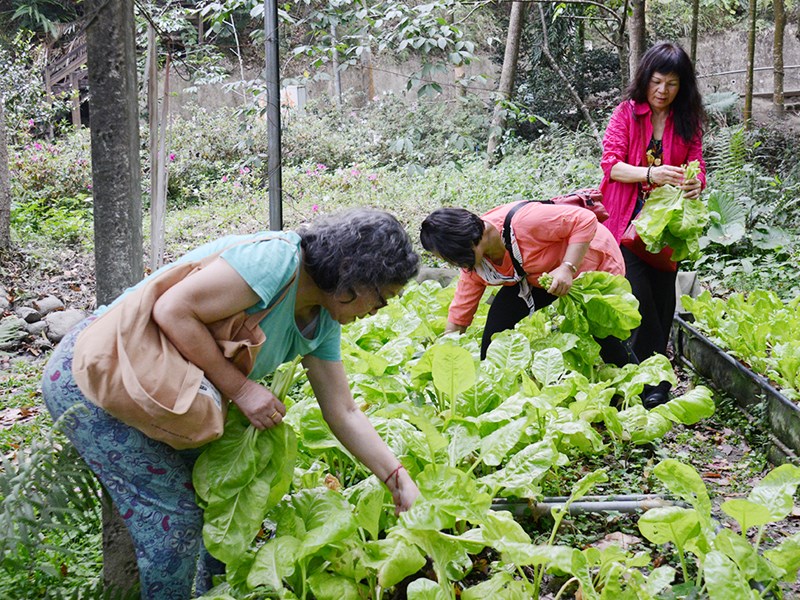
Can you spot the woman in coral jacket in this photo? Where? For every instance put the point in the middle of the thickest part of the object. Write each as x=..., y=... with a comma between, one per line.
x=561, y=240
x=651, y=134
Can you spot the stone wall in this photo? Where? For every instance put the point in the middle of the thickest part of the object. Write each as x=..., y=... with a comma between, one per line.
x=722, y=53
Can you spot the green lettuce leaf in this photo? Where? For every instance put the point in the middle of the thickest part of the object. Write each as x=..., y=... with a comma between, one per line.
x=670, y=219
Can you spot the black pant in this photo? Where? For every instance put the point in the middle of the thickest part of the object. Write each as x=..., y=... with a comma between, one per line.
x=655, y=291
x=508, y=309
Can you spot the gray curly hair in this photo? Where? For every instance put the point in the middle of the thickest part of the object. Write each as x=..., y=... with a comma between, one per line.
x=357, y=248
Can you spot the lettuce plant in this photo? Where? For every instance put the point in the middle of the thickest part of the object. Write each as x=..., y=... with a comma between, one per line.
x=759, y=329
x=668, y=218
x=468, y=431
x=728, y=564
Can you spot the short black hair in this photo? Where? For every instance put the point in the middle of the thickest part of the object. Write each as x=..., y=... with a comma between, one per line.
x=452, y=233
x=665, y=58
x=358, y=248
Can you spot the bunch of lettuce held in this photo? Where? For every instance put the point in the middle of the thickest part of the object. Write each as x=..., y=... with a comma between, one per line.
x=668, y=218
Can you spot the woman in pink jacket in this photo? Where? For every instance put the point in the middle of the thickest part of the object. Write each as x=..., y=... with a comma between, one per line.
x=655, y=130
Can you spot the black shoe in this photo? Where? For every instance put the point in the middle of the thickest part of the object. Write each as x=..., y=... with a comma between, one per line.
x=653, y=396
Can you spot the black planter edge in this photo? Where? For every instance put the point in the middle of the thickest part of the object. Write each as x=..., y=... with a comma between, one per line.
x=749, y=389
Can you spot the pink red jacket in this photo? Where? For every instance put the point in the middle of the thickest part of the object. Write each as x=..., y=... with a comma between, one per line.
x=627, y=135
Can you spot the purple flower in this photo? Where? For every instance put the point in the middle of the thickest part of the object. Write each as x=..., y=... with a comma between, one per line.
x=315, y=208
x=372, y=176
x=37, y=146
x=355, y=172
x=224, y=178
x=321, y=167
x=31, y=123
x=244, y=170
x=172, y=157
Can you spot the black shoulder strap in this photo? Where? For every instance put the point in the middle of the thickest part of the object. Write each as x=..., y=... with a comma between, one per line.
x=507, y=236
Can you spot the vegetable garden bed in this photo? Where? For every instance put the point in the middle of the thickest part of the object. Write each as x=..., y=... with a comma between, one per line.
x=752, y=392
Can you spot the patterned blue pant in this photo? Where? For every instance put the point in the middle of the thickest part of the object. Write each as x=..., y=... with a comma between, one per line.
x=149, y=482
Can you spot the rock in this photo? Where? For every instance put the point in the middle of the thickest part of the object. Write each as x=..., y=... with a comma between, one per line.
x=443, y=276
x=12, y=330
x=60, y=322
x=42, y=344
x=48, y=304
x=28, y=314
x=5, y=303
x=36, y=328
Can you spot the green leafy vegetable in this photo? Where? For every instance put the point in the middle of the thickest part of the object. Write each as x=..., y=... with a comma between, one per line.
x=668, y=218
x=598, y=303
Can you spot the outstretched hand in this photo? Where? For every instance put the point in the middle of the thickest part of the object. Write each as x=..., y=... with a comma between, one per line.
x=404, y=490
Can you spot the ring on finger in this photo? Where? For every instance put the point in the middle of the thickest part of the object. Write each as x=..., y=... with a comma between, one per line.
x=275, y=415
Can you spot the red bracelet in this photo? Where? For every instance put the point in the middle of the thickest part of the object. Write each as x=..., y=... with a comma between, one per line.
x=396, y=474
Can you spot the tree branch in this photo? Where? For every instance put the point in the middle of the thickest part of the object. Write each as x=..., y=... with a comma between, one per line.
x=572, y=92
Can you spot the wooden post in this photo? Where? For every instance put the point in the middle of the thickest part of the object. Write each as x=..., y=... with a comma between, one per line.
x=75, y=96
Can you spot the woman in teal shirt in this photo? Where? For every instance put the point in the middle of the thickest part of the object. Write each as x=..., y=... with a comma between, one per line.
x=338, y=269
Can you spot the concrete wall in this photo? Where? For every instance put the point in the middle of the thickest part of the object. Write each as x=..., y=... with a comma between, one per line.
x=717, y=56
x=728, y=52
x=388, y=77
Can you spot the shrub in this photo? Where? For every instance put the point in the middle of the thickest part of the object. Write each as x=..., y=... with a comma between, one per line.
x=595, y=76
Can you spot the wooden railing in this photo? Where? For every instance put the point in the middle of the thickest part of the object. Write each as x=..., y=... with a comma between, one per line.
x=68, y=75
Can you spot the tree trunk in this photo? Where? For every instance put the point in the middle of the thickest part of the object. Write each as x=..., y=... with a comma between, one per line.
x=113, y=104
x=5, y=183
x=637, y=34
x=565, y=80
x=624, y=64
x=777, y=56
x=695, y=19
x=507, y=76
x=751, y=51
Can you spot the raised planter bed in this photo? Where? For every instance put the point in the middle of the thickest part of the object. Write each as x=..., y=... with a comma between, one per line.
x=752, y=391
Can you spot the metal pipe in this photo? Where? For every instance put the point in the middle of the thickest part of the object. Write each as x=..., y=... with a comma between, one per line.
x=272, y=74
x=540, y=509
x=745, y=71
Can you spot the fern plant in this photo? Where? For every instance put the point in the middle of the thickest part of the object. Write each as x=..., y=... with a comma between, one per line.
x=49, y=507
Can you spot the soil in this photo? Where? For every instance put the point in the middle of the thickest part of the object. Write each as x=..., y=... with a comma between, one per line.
x=727, y=451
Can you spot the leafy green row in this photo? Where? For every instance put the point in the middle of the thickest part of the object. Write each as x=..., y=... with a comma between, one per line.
x=759, y=329
x=468, y=431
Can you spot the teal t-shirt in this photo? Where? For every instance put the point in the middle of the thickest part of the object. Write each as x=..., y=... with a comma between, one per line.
x=267, y=266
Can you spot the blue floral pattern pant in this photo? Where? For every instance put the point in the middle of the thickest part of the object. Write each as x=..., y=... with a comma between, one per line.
x=149, y=482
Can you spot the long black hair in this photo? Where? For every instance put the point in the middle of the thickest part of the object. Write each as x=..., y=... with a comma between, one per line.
x=665, y=58
x=452, y=233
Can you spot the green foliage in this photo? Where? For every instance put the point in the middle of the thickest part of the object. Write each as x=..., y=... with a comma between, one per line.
x=750, y=241
x=43, y=16
x=542, y=98
x=467, y=431
x=730, y=562
x=51, y=188
x=672, y=20
x=759, y=328
x=27, y=106
x=50, y=514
